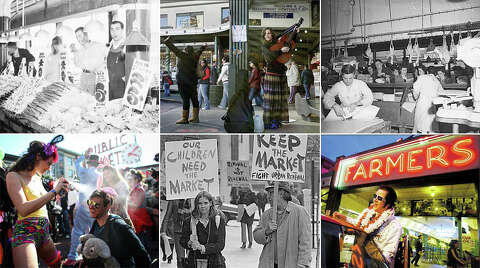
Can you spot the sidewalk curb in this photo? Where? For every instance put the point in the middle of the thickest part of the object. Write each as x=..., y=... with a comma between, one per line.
x=171, y=100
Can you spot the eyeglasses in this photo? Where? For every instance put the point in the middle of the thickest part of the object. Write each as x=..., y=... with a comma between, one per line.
x=379, y=198
x=93, y=204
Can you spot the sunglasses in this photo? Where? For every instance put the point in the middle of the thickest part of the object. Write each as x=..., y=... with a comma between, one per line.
x=379, y=198
x=93, y=204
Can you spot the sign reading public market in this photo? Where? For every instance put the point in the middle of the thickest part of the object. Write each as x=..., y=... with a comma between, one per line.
x=420, y=157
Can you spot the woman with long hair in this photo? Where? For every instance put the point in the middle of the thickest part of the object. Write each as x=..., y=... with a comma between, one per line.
x=275, y=105
x=203, y=234
x=453, y=261
x=31, y=231
x=112, y=178
x=53, y=62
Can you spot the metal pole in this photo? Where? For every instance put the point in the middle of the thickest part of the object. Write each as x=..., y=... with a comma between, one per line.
x=312, y=177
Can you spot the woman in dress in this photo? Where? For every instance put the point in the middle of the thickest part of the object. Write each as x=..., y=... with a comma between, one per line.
x=203, y=234
x=247, y=198
x=275, y=105
x=31, y=233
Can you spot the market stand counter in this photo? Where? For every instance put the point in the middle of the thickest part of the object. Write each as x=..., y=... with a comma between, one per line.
x=32, y=105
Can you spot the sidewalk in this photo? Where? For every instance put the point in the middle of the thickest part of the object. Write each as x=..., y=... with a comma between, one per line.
x=211, y=122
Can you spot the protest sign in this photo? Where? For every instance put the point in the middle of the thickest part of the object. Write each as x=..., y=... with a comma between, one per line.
x=190, y=167
x=238, y=173
x=279, y=158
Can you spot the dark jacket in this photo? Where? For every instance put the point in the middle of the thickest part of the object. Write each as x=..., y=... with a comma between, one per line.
x=124, y=244
x=273, y=66
x=418, y=245
x=261, y=199
x=213, y=75
x=239, y=116
x=254, y=80
x=211, y=236
x=23, y=53
x=187, y=64
x=307, y=77
x=205, y=79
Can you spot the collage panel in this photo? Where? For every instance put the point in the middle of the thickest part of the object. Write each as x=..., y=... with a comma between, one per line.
x=240, y=66
x=84, y=67
x=240, y=200
x=400, y=201
x=79, y=200
x=400, y=66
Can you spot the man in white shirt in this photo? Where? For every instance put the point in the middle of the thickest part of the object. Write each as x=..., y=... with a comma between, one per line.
x=351, y=92
x=378, y=221
x=90, y=57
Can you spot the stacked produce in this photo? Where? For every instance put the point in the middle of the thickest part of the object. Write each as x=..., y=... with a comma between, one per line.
x=8, y=83
x=23, y=95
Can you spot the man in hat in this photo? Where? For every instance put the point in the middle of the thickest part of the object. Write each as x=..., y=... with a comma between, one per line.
x=88, y=176
x=288, y=241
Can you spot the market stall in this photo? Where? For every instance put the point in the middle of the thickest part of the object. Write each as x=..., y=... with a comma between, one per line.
x=393, y=46
x=31, y=101
x=436, y=179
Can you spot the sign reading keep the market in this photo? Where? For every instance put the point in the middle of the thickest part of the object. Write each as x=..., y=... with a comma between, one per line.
x=190, y=167
x=415, y=158
x=238, y=173
x=279, y=158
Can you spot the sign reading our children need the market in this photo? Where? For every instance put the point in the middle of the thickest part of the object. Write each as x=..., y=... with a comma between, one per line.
x=279, y=158
x=423, y=156
x=190, y=167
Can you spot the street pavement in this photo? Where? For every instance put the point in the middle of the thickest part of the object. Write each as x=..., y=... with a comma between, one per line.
x=211, y=122
x=235, y=256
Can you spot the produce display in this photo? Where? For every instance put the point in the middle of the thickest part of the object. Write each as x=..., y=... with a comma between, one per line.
x=61, y=107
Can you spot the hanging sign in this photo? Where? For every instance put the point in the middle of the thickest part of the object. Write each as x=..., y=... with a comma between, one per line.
x=419, y=157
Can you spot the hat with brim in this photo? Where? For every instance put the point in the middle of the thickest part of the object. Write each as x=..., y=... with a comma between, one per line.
x=282, y=185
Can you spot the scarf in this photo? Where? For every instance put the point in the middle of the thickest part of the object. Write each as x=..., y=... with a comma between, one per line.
x=372, y=219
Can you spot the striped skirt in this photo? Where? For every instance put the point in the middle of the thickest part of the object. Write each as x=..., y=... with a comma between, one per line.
x=275, y=105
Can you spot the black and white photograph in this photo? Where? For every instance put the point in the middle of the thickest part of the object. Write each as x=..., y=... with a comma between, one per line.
x=239, y=200
x=80, y=66
x=391, y=66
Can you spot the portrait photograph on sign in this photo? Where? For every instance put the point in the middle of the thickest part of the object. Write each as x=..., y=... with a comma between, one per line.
x=221, y=74
x=416, y=193
x=209, y=177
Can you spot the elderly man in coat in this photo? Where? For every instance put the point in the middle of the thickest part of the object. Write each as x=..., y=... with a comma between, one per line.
x=288, y=242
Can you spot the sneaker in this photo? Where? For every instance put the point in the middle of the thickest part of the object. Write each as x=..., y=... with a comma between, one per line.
x=221, y=107
x=206, y=108
x=67, y=236
x=69, y=262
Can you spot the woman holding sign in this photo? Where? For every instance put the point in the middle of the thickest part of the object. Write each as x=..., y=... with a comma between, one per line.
x=203, y=234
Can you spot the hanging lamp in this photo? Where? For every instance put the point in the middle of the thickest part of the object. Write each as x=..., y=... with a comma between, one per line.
x=94, y=26
x=136, y=38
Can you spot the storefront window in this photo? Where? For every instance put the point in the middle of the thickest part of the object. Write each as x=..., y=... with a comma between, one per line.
x=190, y=20
x=163, y=20
x=225, y=15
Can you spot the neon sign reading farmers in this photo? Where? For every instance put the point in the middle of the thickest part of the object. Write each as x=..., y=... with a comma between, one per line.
x=420, y=157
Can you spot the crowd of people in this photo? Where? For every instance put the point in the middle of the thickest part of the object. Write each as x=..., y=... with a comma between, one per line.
x=88, y=56
x=120, y=208
x=194, y=229
x=267, y=85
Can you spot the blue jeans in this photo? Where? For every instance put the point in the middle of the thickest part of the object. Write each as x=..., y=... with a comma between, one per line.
x=203, y=94
x=256, y=95
x=64, y=224
x=307, y=90
x=224, y=101
x=166, y=87
x=81, y=225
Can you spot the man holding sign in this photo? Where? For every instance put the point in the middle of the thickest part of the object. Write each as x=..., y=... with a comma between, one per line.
x=284, y=229
x=288, y=241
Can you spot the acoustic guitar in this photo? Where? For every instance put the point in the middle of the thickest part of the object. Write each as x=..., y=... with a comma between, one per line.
x=286, y=40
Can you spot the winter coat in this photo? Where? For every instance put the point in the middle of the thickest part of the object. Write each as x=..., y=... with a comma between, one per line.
x=292, y=76
x=254, y=79
x=293, y=239
x=239, y=116
x=224, y=73
x=186, y=65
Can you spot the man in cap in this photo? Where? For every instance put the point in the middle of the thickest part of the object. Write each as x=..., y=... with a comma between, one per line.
x=288, y=241
x=82, y=221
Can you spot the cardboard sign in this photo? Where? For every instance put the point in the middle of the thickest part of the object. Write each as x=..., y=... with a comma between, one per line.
x=238, y=173
x=118, y=151
x=279, y=158
x=138, y=85
x=191, y=167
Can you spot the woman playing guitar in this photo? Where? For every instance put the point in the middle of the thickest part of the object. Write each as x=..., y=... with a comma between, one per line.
x=275, y=106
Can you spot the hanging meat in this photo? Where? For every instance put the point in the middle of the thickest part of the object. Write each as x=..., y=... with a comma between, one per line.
x=443, y=52
x=369, y=54
x=453, y=47
x=391, y=53
x=416, y=48
x=409, y=50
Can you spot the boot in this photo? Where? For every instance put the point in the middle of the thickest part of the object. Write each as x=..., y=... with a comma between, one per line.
x=184, y=119
x=194, y=118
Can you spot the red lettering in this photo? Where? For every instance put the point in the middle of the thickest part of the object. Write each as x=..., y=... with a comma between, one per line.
x=357, y=259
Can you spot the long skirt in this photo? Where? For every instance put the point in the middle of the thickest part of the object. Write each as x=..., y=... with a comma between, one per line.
x=275, y=99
